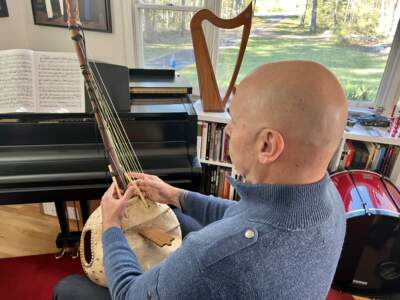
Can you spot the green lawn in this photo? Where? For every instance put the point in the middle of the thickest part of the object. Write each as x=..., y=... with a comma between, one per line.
x=153, y=51
x=358, y=72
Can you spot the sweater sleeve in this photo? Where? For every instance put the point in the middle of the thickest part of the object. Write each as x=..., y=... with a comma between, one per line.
x=205, y=209
x=177, y=277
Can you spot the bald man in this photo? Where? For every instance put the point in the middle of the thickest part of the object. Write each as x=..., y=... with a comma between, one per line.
x=283, y=239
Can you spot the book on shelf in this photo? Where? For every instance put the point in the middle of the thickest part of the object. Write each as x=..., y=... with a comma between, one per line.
x=360, y=157
x=199, y=133
x=212, y=142
x=351, y=151
x=215, y=181
x=37, y=81
x=343, y=155
x=380, y=158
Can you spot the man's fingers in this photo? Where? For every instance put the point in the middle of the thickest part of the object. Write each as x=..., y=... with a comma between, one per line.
x=137, y=175
x=110, y=191
x=147, y=182
x=130, y=192
x=142, y=176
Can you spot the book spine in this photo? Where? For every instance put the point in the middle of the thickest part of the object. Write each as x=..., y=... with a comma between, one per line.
x=226, y=149
x=208, y=141
x=386, y=160
x=221, y=182
x=381, y=158
x=213, y=180
x=223, y=142
x=199, y=137
x=375, y=158
x=392, y=162
x=212, y=142
x=395, y=172
x=350, y=156
x=204, y=140
x=225, y=192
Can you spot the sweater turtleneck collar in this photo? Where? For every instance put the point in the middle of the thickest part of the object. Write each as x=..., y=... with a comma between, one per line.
x=291, y=207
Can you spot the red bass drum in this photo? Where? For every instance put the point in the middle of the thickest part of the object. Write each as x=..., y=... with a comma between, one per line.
x=370, y=261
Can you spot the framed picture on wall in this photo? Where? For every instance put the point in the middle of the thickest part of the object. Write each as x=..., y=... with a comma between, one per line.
x=94, y=14
x=3, y=8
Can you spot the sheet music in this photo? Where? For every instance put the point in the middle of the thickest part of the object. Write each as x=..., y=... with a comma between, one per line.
x=59, y=83
x=16, y=81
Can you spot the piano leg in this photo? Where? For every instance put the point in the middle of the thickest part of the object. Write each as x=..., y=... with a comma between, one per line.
x=84, y=210
x=66, y=239
x=62, y=218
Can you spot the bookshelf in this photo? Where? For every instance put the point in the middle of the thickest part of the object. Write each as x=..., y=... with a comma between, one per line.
x=357, y=133
x=373, y=139
x=213, y=153
x=216, y=163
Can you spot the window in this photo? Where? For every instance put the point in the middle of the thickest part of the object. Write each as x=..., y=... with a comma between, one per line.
x=164, y=36
x=352, y=38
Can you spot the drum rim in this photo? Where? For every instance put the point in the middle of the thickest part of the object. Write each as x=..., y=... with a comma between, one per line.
x=377, y=212
x=381, y=176
x=360, y=170
x=359, y=292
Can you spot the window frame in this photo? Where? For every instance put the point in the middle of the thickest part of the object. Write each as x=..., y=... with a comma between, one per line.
x=139, y=7
x=388, y=93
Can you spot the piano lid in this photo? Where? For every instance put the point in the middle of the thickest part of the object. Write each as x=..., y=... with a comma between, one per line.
x=157, y=81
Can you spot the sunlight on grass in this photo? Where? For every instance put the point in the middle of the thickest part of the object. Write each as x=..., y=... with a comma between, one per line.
x=153, y=51
x=359, y=72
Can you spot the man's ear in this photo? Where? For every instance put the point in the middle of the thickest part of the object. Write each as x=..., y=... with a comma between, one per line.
x=270, y=145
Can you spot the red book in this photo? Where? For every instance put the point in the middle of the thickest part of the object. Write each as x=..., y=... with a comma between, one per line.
x=349, y=157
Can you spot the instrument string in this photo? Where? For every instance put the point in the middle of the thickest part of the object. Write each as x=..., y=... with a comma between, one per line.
x=126, y=140
x=128, y=178
x=134, y=162
x=127, y=153
x=82, y=45
x=106, y=113
x=118, y=138
x=92, y=93
x=114, y=140
x=122, y=150
x=126, y=148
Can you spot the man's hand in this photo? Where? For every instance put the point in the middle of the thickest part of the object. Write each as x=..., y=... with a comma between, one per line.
x=157, y=190
x=112, y=208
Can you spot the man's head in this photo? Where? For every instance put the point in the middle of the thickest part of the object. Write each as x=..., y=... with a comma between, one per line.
x=287, y=119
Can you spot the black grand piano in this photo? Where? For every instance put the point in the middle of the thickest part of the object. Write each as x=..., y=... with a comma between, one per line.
x=60, y=157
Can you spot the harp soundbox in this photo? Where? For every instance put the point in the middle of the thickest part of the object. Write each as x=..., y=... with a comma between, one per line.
x=209, y=91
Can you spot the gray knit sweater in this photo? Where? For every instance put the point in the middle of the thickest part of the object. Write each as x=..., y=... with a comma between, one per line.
x=278, y=242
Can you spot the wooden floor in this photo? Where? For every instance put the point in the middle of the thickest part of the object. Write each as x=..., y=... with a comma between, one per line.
x=24, y=230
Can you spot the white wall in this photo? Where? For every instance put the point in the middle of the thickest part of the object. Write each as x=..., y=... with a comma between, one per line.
x=19, y=31
x=12, y=29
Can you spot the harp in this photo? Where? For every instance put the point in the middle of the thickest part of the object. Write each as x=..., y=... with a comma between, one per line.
x=209, y=91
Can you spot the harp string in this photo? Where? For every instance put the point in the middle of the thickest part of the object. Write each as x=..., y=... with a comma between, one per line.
x=118, y=137
x=117, y=126
x=120, y=141
x=114, y=131
x=106, y=119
